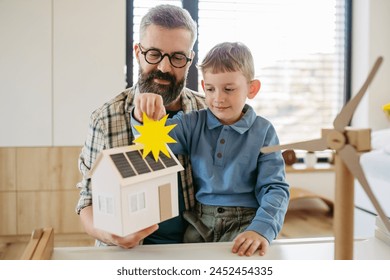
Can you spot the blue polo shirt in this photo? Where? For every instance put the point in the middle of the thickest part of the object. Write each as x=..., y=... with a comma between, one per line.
x=228, y=167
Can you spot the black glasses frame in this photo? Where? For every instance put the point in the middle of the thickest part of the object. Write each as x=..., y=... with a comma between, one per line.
x=162, y=56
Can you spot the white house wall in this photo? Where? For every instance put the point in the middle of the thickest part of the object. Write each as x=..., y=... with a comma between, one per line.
x=151, y=213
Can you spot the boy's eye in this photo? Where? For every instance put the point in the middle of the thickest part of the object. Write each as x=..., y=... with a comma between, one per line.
x=229, y=89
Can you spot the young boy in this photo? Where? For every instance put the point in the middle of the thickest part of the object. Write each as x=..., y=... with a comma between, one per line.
x=241, y=193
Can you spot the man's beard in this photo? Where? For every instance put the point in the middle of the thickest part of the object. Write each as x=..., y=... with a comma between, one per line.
x=169, y=93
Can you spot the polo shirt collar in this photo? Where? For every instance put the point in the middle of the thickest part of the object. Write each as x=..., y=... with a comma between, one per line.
x=241, y=126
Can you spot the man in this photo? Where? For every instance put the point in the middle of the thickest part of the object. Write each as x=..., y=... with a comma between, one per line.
x=164, y=54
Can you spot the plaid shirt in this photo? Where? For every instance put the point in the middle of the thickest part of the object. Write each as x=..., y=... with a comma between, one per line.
x=110, y=127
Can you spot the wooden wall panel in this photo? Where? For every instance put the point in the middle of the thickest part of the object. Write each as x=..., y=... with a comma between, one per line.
x=8, y=213
x=7, y=169
x=47, y=168
x=48, y=209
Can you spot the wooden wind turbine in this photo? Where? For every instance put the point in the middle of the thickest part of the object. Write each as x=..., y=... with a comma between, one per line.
x=347, y=166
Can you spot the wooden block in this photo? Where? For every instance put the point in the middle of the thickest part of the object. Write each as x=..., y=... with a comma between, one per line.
x=359, y=138
x=32, y=244
x=45, y=245
x=40, y=245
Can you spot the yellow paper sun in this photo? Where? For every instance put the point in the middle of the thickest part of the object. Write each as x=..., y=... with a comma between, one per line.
x=154, y=136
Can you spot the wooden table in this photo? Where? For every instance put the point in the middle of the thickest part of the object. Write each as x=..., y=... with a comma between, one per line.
x=281, y=249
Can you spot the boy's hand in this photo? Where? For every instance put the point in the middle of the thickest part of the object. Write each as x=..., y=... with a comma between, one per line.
x=247, y=242
x=149, y=103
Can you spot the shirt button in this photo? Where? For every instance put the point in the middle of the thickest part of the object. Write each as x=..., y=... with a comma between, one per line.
x=220, y=210
x=222, y=141
x=219, y=155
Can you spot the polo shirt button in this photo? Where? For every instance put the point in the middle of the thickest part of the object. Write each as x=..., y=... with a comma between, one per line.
x=220, y=210
x=219, y=155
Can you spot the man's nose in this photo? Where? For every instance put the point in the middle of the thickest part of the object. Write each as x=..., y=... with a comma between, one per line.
x=165, y=65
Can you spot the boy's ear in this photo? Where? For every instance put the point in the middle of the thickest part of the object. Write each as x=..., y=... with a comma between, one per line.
x=254, y=88
x=202, y=83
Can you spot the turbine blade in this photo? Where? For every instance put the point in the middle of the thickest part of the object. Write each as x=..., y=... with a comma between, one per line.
x=345, y=116
x=311, y=145
x=351, y=159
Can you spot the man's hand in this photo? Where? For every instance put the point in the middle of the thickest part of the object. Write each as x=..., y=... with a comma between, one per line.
x=149, y=103
x=247, y=242
x=128, y=241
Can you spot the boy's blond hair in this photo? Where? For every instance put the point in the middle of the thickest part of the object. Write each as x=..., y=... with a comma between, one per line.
x=229, y=57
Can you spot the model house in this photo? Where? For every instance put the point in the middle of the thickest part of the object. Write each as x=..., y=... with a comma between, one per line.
x=131, y=193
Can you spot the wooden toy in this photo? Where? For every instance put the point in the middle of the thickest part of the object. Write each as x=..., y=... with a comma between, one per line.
x=347, y=143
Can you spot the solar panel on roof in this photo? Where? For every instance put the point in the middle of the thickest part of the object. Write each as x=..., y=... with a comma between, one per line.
x=169, y=162
x=139, y=164
x=131, y=163
x=122, y=165
x=155, y=165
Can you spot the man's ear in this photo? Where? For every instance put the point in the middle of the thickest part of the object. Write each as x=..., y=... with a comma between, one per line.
x=192, y=56
x=136, y=51
x=254, y=88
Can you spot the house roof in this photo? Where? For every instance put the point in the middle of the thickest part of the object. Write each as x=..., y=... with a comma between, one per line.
x=129, y=164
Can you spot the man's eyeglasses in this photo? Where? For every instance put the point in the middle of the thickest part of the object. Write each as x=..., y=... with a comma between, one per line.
x=153, y=56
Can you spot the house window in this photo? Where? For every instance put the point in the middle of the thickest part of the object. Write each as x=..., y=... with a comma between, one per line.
x=137, y=202
x=301, y=51
x=106, y=204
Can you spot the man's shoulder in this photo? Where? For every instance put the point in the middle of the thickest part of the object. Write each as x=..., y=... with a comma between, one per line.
x=192, y=93
x=118, y=104
x=192, y=100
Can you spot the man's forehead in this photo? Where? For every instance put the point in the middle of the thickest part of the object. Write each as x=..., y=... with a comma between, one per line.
x=167, y=40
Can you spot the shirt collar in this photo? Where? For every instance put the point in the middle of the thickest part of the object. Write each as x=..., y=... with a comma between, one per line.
x=131, y=93
x=241, y=126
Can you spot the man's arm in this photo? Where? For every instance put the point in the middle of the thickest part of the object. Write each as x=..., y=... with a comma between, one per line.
x=96, y=142
x=149, y=103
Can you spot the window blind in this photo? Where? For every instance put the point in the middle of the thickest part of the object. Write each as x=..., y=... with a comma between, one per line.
x=299, y=52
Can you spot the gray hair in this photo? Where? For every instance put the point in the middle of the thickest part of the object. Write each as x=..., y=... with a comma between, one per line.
x=170, y=17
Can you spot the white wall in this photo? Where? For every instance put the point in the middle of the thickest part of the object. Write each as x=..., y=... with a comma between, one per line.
x=25, y=72
x=59, y=60
x=371, y=38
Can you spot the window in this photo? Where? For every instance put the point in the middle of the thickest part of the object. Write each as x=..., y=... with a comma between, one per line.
x=301, y=55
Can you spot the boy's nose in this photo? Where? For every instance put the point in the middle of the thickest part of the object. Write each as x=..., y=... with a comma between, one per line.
x=218, y=97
